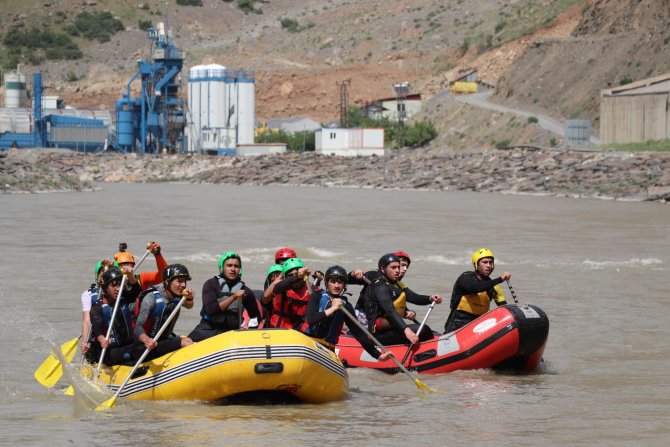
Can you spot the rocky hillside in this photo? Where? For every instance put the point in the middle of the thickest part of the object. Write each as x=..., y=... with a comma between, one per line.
x=548, y=56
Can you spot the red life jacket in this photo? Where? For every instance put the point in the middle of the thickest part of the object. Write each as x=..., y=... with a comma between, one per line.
x=290, y=308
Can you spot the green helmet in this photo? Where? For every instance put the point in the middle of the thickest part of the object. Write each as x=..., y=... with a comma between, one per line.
x=290, y=264
x=228, y=255
x=99, y=267
x=273, y=269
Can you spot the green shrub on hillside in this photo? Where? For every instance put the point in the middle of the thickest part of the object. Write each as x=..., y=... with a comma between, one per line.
x=98, y=25
x=189, y=2
x=34, y=45
x=248, y=6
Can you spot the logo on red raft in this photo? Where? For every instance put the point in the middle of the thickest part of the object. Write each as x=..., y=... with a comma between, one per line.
x=484, y=326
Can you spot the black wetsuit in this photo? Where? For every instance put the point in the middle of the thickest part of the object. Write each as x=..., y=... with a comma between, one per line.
x=469, y=284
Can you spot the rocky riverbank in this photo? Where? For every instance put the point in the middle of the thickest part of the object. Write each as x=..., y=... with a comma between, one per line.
x=615, y=175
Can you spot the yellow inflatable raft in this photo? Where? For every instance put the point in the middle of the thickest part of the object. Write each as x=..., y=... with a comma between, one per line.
x=236, y=362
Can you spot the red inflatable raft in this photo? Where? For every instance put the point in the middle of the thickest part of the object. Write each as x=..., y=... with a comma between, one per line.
x=511, y=337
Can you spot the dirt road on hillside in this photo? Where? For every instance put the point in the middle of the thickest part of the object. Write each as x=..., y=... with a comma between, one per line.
x=481, y=100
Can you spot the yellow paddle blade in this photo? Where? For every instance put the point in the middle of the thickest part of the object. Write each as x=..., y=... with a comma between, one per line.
x=422, y=386
x=69, y=391
x=106, y=405
x=51, y=369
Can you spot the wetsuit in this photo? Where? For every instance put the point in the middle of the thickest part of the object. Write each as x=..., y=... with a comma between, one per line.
x=328, y=328
x=471, y=298
x=216, y=321
x=379, y=301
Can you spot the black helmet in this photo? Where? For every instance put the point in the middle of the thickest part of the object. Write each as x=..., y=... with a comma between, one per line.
x=110, y=275
x=173, y=271
x=336, y=272
x=387, y=259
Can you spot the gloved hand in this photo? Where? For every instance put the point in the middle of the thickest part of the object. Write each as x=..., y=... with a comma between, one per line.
x=154, y=248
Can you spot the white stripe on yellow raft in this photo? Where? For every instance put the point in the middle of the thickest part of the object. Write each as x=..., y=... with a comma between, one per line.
x=225, y=365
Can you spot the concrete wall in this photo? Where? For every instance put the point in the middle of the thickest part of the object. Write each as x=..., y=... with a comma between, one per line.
x=634, y=118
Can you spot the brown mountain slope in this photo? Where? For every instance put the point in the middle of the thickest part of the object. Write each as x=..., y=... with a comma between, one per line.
x=557, y=70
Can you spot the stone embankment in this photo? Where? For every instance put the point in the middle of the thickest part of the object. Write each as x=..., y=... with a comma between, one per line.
x=615, y=175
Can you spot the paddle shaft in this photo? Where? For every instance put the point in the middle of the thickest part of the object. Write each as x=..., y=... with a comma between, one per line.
x=418, y=333
x=512, y=292
x=146, y=351
x=383, y=348
x=144, y=256
x=111, y=323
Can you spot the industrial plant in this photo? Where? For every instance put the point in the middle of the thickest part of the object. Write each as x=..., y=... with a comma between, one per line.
x=218, y=118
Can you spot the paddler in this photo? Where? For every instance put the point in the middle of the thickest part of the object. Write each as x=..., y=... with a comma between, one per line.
x=474, y=290
x=385, y=307
x=325, y=320
x=358, y=277
x=157, y=305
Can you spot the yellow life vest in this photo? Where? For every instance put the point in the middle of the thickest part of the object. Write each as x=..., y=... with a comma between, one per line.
x=479, y=303
x=400, y=305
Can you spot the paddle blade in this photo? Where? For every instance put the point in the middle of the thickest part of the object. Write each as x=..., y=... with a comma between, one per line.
x=69, y=349
x=106, y=405
x=49, y=372
x=51, y=369
x=69, y=391
x=422, y=386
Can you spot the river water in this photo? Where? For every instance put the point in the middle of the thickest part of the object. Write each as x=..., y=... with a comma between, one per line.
x=598, y=269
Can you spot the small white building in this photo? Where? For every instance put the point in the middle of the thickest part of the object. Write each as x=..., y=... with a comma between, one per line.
x=349, y=142
x=391, y=108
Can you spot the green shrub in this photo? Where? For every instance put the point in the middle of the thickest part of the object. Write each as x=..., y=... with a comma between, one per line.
x=189, y=2
x=290, y=25
x=144, y=24
x=532, y=119
x=295, y=141
x=99, y=25
x=502, y=144
x=34, y=45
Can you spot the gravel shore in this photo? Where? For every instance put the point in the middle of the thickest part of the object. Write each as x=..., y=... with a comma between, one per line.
x=608, y=175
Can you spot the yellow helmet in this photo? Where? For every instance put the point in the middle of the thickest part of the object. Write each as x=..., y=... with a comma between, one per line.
x=479, y=254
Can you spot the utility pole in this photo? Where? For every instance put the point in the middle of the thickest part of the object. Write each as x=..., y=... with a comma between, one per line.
x=343, y=101
x=401, y=92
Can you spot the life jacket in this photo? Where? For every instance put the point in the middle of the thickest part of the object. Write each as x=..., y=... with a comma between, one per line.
x=230, y=318
x=372, y=309
x=480, y=303
x=264, y=315
x=94, y=294
x=162, y=311
x=330, y=328
x=122, y=331
x=290, y=308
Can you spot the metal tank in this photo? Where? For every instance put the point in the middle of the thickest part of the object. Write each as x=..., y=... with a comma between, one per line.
x=246, y=116
x=221, y=108
x=15, y=90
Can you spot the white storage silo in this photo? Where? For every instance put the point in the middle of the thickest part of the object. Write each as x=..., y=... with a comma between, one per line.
x=15, y=90
x=246, y=115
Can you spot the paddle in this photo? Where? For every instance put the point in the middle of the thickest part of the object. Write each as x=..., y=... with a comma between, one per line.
x=111, y=323
x=423, y=323
x=51, y=369
x=419, y=384
x=512, y=292
x=109, y=403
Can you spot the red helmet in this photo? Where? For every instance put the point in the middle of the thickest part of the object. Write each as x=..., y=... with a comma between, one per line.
x=403, y=254
x=283, y=254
